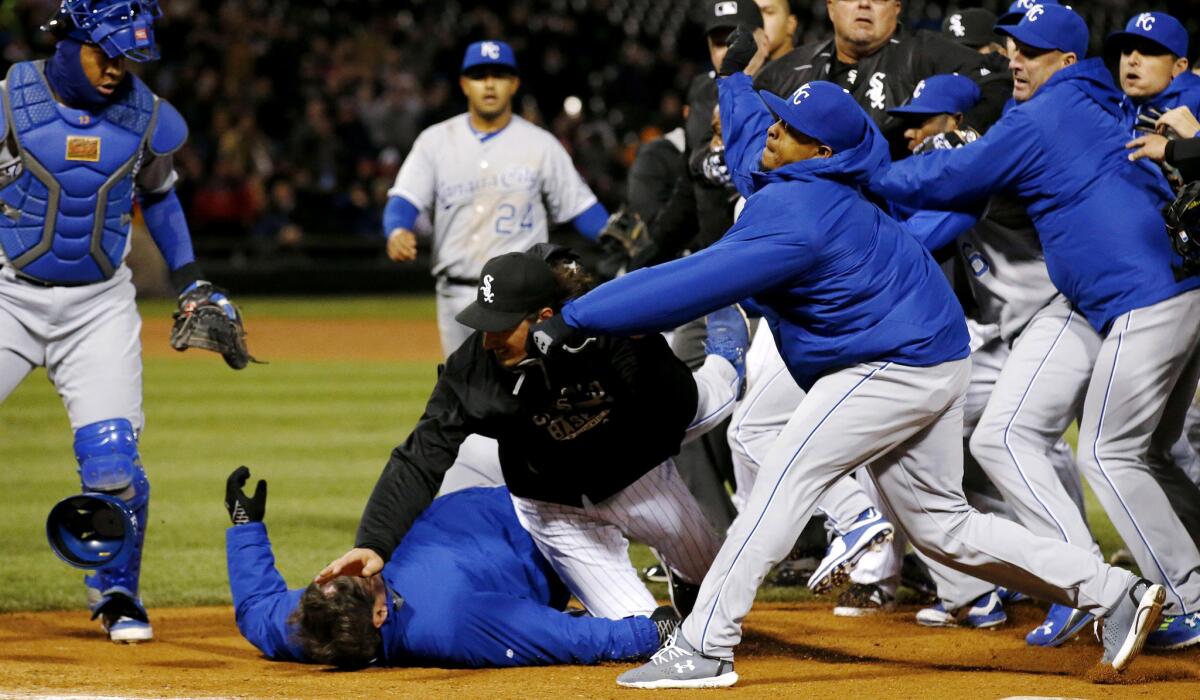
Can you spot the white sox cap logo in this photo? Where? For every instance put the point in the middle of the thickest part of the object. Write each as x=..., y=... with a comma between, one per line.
x=486, y=288
x=490, y=49
x=724, y=9
x=956, y=26
x=1145, y=22
x=1034, y=13
x=800, y=95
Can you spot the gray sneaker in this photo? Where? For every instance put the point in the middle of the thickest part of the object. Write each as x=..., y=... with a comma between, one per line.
x=1128, y=624
x=677, y=665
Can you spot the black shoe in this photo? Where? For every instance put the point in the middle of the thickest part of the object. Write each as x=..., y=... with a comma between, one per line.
x=656, y=573
x=861, y=599
x=667, y=621
x=683, y=594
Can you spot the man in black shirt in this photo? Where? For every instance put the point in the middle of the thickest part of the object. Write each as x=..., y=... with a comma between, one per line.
x=586, y=438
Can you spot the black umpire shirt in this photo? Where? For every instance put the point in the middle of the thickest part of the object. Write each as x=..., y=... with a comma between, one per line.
x=572, y=426
x=887, y=78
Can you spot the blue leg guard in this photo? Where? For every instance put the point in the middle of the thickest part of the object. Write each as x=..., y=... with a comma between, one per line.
x=109, y=463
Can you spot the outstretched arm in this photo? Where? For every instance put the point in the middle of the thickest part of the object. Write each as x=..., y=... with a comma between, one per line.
x=261, y=599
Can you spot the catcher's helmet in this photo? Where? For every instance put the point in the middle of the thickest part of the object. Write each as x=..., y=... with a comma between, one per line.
x=119, y=27
x=91, y=530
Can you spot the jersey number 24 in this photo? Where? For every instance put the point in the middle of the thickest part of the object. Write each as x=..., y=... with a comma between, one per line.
x=507, y=222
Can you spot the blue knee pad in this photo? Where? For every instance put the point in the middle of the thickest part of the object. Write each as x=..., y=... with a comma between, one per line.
x=109, y=463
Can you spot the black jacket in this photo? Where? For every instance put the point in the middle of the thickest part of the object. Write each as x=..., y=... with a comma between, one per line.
x=586, y=424
x=1185, y=155
x=888, y=77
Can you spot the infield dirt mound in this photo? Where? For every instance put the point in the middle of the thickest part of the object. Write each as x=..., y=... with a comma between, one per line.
x=791, y=651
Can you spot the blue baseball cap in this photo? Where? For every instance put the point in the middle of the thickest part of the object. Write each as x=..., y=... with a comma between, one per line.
x=489, y=53
x=1050, y=27
x=1018, y=9
x=823, y=111
x=941, y=94
x=1159, y=27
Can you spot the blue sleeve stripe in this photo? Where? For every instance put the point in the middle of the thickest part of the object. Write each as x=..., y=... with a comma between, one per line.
x=591, y=221
x=399, y=213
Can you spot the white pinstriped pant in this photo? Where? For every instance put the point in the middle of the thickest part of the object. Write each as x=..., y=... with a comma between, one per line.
x=587, y=544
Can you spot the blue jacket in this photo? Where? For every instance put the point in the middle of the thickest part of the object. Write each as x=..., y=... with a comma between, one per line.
x=838, y=280
x=476, y=593
x=1183, y=91
x=1062, y=153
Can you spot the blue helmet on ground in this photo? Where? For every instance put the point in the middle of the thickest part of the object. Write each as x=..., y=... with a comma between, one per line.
x=91, y=530
x=119, y=27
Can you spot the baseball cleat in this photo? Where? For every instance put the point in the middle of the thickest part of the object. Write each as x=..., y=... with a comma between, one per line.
x=678, y=665
x=861, y=599
x=1175, y=632
x=1061, y=624
x=122, y=616
x=656, y=573
x=126, y=630
x=986, y=612
x=1010, y=597
x=729, y=337
x=1130, y=622
x=666, y=621
x=869, y=531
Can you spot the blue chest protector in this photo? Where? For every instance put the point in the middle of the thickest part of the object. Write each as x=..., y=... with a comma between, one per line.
x=67, y=217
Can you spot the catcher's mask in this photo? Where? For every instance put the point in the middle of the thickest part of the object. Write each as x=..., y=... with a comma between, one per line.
x=119, y=27
x=92, y=530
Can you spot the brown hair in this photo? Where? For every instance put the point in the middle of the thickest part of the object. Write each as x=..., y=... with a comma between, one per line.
x=334, y=624
x=573, y=278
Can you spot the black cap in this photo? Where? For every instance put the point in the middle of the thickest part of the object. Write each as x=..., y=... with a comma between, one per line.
x=971, y=27
x=727, y=14
x=512, y=287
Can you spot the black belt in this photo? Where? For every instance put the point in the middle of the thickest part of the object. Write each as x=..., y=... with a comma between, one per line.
x=459, y=281
x=41, y=283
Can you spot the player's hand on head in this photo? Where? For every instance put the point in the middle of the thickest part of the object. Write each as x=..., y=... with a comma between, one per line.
x=1152, y=146
x=402, y=245
x=359, y=561
x=1181, y=121
x=242, y=508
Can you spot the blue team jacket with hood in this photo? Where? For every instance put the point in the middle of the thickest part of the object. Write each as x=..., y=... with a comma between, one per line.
x=1184, y=91
x=1062, y=153
x=838, y=280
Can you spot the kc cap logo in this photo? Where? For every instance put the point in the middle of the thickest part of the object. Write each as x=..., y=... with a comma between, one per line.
x=1026, y=4
x=486, y=288
x=956, y=26
x=1145, y=22
x=724, y=9
x=1034, y=13
x=920, y=87
x=490, y=49
x=800, y=95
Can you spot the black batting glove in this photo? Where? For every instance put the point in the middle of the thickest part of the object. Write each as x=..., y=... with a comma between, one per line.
x=742, y=48
x=242, y=508
x=554, y=335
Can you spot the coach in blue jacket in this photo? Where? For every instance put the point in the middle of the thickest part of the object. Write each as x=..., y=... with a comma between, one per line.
x=868, y=326
x=466, y=588
x=1061, y=150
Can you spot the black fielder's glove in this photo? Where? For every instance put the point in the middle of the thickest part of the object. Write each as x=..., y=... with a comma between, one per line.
x=1183, y=225
x=742, y=48
x=947, y=141
x=207, y=319
x=623, y=238
x=242, y=508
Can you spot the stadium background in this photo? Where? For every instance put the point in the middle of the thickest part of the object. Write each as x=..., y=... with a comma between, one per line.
x=300, y=114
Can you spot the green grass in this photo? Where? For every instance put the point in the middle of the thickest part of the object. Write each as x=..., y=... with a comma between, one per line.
x=319, y=432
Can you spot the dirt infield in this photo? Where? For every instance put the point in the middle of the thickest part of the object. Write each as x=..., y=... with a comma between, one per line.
x=797, y=650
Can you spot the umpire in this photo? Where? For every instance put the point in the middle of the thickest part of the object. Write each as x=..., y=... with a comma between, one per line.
x=880, y=64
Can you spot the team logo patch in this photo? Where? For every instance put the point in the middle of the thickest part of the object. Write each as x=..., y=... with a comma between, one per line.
x=1035, y=12
x=801, y=94
x=956, y=26
x=1145, y=22
x=84, y=148
x=141, y=35
x=920, y=88
x=486, y=289
x=875, y=93
x=490, y=50
x=724, y=9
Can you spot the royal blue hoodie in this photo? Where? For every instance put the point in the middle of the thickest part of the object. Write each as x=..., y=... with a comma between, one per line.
x=1183, y=91
x=1062, y=153
x=838, y=280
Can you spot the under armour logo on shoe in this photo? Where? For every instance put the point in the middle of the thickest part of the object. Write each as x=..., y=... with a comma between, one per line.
x=1045, y=628
x=1192, y=620
x=689, y=666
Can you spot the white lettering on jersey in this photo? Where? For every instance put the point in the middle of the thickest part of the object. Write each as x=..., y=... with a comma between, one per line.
x=875, y=94
x=852, y=76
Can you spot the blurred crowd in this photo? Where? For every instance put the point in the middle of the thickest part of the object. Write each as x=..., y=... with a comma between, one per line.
x=302, y=111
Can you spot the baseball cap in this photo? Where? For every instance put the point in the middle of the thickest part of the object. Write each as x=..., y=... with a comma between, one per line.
x=823, y=111
x=941, y=94
x=1159, y=27
x=971, y=27
x=727, y=14
x=511, y=287
x=489, y=53
x=1018, y=9
x=1050, y=27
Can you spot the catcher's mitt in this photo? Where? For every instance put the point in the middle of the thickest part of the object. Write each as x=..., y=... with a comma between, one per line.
x=207, y=319
x=625, y=229
x=1183, y=225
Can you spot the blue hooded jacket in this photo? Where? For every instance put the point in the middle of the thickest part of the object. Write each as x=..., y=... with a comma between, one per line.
x=838, y=280
x=1184, y=91
x=1062, y=153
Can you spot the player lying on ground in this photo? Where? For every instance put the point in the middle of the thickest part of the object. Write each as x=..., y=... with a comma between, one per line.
x=466, y=587
x=586, y=438
x=870, y=328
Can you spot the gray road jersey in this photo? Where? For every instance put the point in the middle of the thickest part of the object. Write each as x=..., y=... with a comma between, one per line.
x=491, y=197
x=1007, y=273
